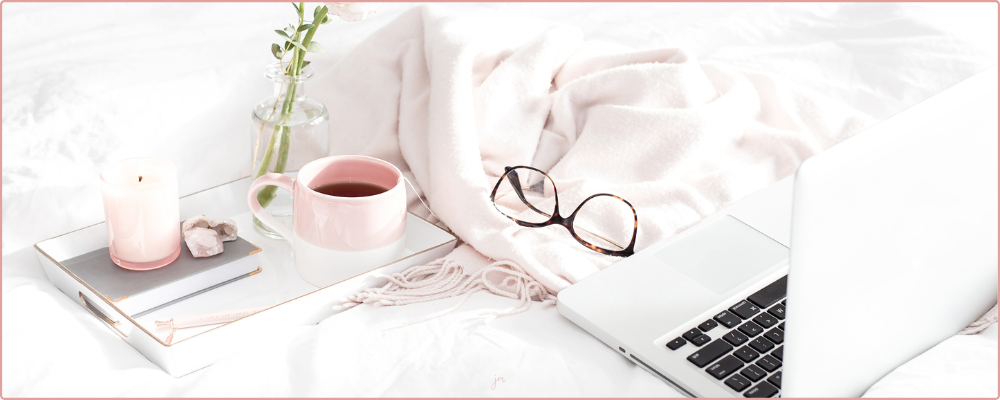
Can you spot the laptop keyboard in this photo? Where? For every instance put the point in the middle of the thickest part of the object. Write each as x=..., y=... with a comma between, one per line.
x=748, y=357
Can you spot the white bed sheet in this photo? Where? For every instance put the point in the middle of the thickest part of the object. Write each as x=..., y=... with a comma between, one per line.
x=84, y=84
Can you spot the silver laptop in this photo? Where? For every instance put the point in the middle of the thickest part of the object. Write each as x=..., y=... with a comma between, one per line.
x=886, y=246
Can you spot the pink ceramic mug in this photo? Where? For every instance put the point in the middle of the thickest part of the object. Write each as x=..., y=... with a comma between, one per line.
x=336, y=238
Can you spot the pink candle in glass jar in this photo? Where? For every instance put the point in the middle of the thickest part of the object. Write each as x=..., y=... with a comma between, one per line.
x=142, y=212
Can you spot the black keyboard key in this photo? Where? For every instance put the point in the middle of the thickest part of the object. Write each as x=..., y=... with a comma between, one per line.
x=725, y=367
x=775, y=379
x=753, y=373
x=738, y=382
x=762, y=345
x=770, y=364
x=770, y=294
x=781, y=326
x=783, y=302
x=735, y=338
x=751, y=329
x=766, y=320
x=776, y=336
x=700, y=340
x=744, y=309
x=779, y=353
x=746, y=354
x=709, y=353
x=777, y=311
x=728, y=319
x=676, y=343
x=708, y=325
x=762, y=390
x=691, y=334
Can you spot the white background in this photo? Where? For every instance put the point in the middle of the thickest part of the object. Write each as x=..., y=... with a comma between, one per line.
x=87, y=84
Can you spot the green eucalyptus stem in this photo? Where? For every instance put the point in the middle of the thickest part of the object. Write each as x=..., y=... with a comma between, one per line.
x=317, y=20
x=281, y=134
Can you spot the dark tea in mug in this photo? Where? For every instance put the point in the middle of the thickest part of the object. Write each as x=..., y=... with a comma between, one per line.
x=350, y=189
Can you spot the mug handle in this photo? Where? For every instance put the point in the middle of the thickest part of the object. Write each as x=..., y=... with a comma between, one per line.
x=271, y=179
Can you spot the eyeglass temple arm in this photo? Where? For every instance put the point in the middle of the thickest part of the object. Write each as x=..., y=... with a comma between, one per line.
x=515, y=182
x=613, y=243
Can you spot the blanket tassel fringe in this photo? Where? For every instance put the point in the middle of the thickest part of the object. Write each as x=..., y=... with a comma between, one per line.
x=445, y=278
x=982, y=323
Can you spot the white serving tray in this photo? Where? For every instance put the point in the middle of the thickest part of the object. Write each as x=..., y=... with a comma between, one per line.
x=292, y=301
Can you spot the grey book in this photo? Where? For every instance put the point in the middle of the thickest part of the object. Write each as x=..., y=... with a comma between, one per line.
x=139, y=292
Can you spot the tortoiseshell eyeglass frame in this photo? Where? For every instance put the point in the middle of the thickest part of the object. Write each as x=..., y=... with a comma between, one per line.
x=510, y=173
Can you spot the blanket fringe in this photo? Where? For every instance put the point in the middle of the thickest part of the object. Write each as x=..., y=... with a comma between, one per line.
x=982, y=323
x=444, y=278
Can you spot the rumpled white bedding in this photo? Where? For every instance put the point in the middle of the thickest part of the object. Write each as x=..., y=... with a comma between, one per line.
x=107, y=81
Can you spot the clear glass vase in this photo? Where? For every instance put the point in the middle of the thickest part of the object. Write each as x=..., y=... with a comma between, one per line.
x=288, y=131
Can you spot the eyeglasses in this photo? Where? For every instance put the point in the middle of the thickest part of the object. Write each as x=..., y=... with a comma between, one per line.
x=604, y=222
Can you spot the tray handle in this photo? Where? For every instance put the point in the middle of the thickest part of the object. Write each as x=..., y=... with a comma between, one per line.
x=100, y=315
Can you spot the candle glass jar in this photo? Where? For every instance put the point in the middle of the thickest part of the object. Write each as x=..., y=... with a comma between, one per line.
x=288, y=130
x=142, y=213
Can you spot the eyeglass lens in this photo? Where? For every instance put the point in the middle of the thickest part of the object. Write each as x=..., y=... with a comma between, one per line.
x=536, y=201
x=606, y=222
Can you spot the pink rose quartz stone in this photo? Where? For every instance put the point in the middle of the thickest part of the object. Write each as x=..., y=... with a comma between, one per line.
x=203, y=242
x=226, y=228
